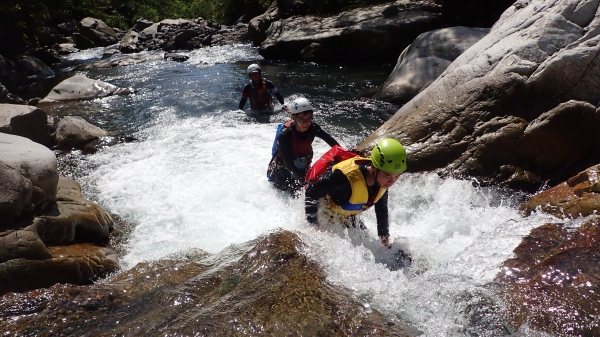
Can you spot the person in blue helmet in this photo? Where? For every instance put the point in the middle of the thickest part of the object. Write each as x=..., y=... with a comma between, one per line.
x=260, y=91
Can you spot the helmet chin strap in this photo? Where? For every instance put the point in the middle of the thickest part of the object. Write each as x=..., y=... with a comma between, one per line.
x=374, y=174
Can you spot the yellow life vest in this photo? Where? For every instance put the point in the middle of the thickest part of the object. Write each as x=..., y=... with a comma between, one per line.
x=359, y=199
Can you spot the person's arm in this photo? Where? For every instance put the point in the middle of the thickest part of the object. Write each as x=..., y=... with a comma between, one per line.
x=275, y=92
x=335, y=184
x=279, y=96
x=383, y=225
x=242, y=103
x=319, y=132
x=245, y=93
x=284, y=139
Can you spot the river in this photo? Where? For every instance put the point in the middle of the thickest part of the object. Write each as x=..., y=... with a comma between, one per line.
x=195, y=178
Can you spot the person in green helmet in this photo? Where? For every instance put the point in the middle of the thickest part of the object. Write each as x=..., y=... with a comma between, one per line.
x=354, y=185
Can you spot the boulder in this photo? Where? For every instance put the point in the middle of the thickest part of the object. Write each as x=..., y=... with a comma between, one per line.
x=28, y=176
x=358, y=35
x=141, y=24
x=62, y=244
x=425, y=59
x=34, y=67
x=129, y=42
x=82, y=87
x=25, y=121
x=258, y=26
x=73, y=218
x=19, y=73
x=76, y=264
x=76, y=132
x=520, y=107
x=23, y=243
x=98, y=32
x=7, y=97
x=577, y=197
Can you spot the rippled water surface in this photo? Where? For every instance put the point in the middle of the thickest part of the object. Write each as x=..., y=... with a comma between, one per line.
x=196, y=179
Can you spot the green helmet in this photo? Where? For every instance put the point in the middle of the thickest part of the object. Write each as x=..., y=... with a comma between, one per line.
x=389, y=155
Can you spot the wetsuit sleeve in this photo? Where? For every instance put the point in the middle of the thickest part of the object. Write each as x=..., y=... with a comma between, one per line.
x=335, y=184
x=245, y=94
x=319, y=132
x=242, y=103
x=284, y=139
x=381, y=213
x=275, y=91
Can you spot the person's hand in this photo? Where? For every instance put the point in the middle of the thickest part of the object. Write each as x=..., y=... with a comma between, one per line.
x=385, y=240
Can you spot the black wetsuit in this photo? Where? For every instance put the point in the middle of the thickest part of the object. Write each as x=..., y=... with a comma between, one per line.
x=260, y=95
x=336, y=185
x=293, y=145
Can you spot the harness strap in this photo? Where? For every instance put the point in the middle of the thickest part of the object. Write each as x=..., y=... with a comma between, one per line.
x=372, y=197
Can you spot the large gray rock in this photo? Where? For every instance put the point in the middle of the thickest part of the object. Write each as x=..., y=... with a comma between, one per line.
x=426, y=59
x=26, y=121
x=35, y=67
x=76, y=132
x=519, y=107
x=82, y=87
x=376, y=33
x=129, y=42
x=28, y=177
x=97, y=32
x=259, y=24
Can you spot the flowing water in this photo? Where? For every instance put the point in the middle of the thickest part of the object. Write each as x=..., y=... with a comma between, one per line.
x=196, y=179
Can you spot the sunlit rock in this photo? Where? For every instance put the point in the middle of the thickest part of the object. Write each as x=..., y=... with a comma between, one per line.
x=553, y=283
x=76, y=132
x=578, y=196
x=265, y=287
x=82, y=87
x=98, y=32
x=525, y=96
x=73, y=218
x=28, y=177
x=259, y=24
x=62, y=244
x=75, y=264
x=425, y=59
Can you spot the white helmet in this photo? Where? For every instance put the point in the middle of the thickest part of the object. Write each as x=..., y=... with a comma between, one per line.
x=300, y=105
x=253, y=68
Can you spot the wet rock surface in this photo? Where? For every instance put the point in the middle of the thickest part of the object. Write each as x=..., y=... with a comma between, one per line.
x=578, y=196
x=265, y=287
x=553, y=283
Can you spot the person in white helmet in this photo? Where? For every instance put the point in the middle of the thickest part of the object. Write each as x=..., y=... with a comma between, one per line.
x=260, y=91
x=293, y=152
